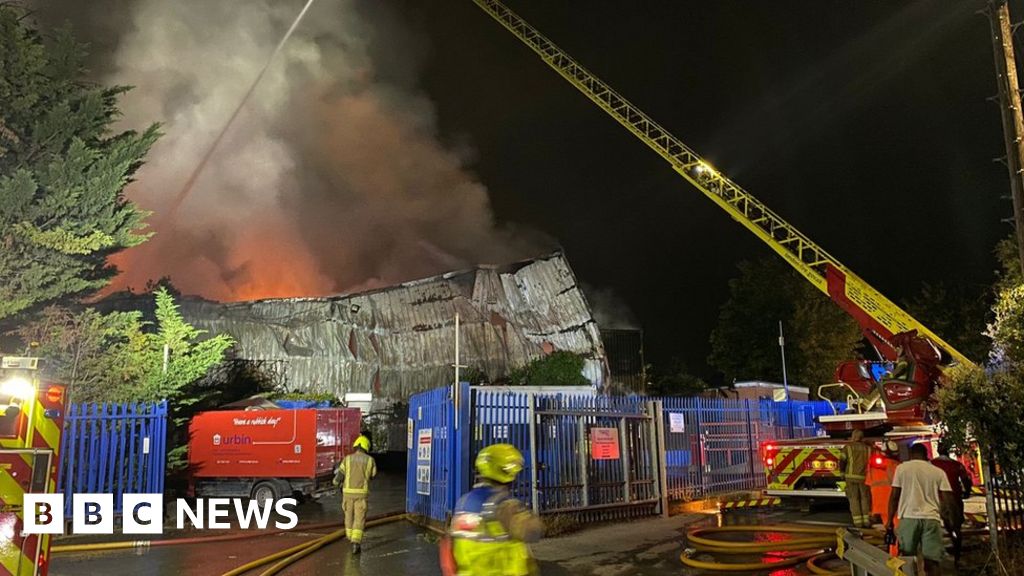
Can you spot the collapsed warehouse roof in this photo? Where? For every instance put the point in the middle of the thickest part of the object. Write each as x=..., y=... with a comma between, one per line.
x=399, y=340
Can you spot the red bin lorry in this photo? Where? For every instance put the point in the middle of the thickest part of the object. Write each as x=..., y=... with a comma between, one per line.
x=269, y=454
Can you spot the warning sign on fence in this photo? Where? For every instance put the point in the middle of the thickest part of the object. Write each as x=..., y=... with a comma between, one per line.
x=423, y=445
x=676, y=422
x=604, y=443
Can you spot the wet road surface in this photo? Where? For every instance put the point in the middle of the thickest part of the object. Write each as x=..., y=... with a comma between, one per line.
x=383, y=545
x=639, y=548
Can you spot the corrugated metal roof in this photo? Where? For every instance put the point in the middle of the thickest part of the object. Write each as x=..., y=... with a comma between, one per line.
x=399, y=340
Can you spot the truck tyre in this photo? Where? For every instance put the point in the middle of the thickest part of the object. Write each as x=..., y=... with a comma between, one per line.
x=264, y=491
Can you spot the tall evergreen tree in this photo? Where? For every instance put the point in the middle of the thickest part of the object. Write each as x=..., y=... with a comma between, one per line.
x=62, y=170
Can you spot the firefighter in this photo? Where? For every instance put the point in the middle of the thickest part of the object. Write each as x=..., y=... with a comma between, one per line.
x=355, y=471
x=490, y=529
x=855, y=471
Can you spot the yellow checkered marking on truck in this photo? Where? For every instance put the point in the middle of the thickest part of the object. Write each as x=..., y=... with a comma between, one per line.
x=800, y=463
x=755, y=503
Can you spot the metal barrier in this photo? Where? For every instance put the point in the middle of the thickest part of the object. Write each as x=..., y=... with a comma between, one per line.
x=1004, y=502
x=437, y=472
x=113, y=449
x=1007, y=491
x=712, y=445
x=868, y=560
x=597, y=457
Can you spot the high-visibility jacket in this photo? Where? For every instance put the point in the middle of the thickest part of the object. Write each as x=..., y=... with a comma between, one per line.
x=855, y=457
x=356, y=470
x=490, y=530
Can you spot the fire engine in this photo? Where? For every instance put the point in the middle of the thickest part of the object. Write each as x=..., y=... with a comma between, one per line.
x=888, y=404
x=31, y=425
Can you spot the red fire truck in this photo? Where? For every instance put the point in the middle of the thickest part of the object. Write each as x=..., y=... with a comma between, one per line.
x=31, y=426
x=269, y=454
x=810, y=468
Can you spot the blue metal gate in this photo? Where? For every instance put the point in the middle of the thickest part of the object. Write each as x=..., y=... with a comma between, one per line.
x=712, y=445
x=598, y=457
x=437, y=474
x=113, y=449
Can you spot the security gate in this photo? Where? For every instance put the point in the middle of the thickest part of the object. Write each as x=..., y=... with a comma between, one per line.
x=595, y=457
x=712, y=446
x=589, y=455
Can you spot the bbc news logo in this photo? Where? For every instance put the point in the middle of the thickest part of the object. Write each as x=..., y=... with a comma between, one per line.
x=144, y=513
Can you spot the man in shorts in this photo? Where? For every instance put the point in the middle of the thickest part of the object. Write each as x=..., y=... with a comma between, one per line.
x=920, y=494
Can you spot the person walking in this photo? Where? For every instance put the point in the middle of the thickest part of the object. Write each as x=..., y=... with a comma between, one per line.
x=354, y=474
x=490, y=529
x=961, y=483
x=855, y=472
x=920, y=494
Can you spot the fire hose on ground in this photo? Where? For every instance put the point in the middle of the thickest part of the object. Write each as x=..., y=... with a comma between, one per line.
x=812, y=543
x=125, y=544
x=291, y=555
x=130, y=544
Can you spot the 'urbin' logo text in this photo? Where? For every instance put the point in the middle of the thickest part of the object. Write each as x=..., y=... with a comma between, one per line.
x=144, y=513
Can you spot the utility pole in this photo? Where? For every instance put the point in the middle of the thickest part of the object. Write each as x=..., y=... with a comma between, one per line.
x=782, y=348
x=1010, y=110
x=456, y=390
x=457, y=349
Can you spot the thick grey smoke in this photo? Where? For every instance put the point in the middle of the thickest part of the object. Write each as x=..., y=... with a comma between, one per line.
x=333, y=177
x=610, y=310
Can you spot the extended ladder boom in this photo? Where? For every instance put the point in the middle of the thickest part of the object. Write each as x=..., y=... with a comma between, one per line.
x=873, y=311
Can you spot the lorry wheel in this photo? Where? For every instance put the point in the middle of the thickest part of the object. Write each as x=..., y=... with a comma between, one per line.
x=264, y=491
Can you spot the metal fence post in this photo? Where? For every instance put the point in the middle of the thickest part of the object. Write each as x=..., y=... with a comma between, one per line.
x=532, y=416
x=583, y=459
x=624, y=456
x=464, y=422
x=751, y=450
x=990, y=503
x=792, y=430
x=658, y=451
x=701, y=456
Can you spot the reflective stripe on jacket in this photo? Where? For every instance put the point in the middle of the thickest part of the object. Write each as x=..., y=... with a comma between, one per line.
x=357, y=469
x=482, y=543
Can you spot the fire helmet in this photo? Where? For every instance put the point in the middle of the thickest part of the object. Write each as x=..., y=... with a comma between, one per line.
x=362, y=442
x=499, y=462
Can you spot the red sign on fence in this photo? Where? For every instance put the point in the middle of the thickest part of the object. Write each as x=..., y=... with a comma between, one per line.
x=604, y=443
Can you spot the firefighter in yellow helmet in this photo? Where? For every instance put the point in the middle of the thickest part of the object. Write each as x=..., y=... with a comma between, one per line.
x=490, y=529
x=355, y=472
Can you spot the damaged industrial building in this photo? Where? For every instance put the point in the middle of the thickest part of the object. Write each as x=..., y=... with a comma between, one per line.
x=398, y=340
x=376, y=348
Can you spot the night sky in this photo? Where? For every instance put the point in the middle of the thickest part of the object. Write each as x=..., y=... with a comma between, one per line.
x=866, y=125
